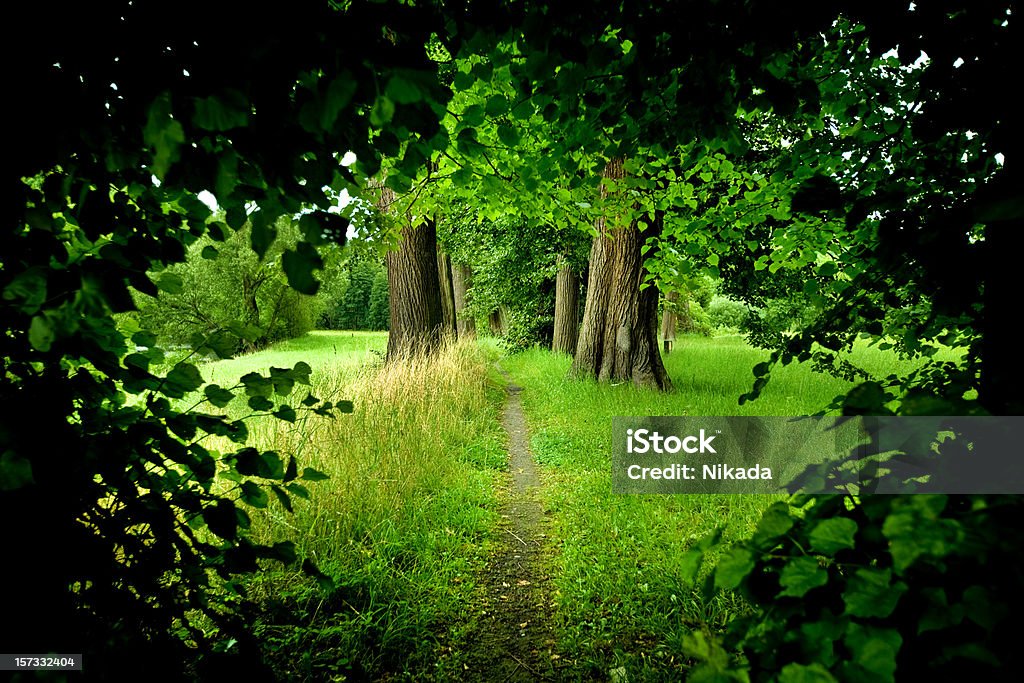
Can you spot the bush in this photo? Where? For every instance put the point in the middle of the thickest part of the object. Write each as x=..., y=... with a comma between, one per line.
x=223, y=284
x=726, y=314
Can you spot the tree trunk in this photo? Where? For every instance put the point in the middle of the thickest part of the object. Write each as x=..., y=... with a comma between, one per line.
x=444, y=271
x=462, y=280
x=498, y=321
x=619, y=337
x=567, y=309
x=415, y=291
x=668, y=321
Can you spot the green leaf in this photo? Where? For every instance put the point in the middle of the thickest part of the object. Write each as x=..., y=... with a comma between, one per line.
x=263, y=234
x=217, y=113
x=867, y=398
x=325, y=582
x=236, y=217
x=310, y=474
x=508, y=135
x=874, y=649
x=170, y=283
x=382, y=112
x=496, y=105
x=284, y=551
x=163, y=135
x=871, y=593
x=252, y=463
x=800, y=575
x=298, y=265
x=291, y=471
x=286, y=413
x=15, y=471
x=463, y=80
x=218, y=396
x=733, y=567
x=260, y=403
x=221, y=519
x=184, y=377
x=209, y=252
x=41, y=334
x=30, y=288
x=339, y=94
x=775, y=521
x=345, y=406
x=282, y=497
x=810, y=673
x=403, y=91
x=143, y=338
x=298, y=490
x=252, y=494
x=257, y=385
x=833, y=535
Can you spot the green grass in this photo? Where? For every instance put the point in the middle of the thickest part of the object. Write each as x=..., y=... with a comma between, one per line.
x=328, y=353
x=622, y=601
x=401, y=524
x=404, y=522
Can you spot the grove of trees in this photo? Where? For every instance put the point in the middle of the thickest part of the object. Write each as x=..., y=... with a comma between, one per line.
x=860, y=160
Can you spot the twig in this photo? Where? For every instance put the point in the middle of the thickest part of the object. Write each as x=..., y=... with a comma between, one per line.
x=517, y=538
x=524, y=665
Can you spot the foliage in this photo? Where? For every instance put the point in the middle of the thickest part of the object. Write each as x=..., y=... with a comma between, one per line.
x=136, y=525
x=726, y=314
x=514, y=264
x=362, y=299
x=862, y=589
x=224, y=283
x=377, y=318
x=882, y=187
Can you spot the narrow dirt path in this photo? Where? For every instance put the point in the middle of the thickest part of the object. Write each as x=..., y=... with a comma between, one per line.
x=516, y=638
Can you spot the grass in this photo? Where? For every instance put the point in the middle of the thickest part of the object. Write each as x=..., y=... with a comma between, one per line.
x=622, y=601
x=404, y=521
x=401, y=524
x=328, y=353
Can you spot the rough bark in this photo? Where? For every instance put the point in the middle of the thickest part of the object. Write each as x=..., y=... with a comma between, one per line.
x=619, y=337
x=462, y=280
x=668, y=321
x=567, y=309
x=444, y=272
x=414, y=286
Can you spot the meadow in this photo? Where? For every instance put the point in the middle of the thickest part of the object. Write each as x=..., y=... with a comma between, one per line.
x=405, y=522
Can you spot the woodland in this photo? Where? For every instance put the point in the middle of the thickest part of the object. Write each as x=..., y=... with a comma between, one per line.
x=286, y=289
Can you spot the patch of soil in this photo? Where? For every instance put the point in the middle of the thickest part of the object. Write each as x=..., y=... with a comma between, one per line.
x=516, y=639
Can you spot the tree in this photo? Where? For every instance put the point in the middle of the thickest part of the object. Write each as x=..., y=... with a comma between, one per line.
x=567, y=309
x=462, y=281
x=668, y=320
x=377, y=317
x=444, y=269
x=414, y=289
x=619, y=337
x=225, y=284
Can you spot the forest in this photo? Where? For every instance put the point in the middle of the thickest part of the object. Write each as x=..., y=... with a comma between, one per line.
x=323, y=325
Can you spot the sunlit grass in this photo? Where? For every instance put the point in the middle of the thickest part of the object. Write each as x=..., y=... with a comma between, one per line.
x=403, y=520
x=622, y=599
